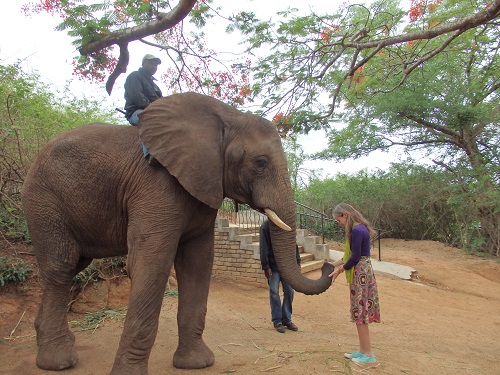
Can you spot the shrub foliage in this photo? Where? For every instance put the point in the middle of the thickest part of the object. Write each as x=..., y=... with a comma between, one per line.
x=13, y=270
x=408, y=201
x=30, y=115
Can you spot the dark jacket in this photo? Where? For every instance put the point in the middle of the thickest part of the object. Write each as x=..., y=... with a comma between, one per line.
x=266, y=249
x=140, y=91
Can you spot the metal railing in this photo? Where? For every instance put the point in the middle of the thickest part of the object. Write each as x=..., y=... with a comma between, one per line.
x=308, y=218
x=318, y=223
x=242, y=215
x=314, y=221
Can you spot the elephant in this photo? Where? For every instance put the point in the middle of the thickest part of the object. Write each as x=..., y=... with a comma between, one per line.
x=91, y=194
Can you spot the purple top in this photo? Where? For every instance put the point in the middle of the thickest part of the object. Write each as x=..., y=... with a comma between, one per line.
x=360, y=245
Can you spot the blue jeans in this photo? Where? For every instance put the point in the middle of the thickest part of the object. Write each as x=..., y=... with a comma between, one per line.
x=280, y=314
x=134, y=121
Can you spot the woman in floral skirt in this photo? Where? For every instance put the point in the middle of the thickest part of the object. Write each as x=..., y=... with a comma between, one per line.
x=357, y=266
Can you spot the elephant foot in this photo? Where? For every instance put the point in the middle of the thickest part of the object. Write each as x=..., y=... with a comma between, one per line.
x=129, y=369
x=194, y=357
x=56, y=357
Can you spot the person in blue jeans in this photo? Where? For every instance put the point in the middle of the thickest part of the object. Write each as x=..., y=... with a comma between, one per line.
x=281, y=314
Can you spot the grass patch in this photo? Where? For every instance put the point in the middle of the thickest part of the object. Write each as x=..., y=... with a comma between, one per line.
x=171, y=293
x=92, y=321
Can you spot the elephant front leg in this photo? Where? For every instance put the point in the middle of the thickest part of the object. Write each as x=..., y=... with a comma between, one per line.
x=193, y=267
x=148, y=281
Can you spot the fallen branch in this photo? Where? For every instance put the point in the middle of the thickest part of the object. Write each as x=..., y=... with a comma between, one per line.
x=266, y=356
x=14, y=330
x=271, y=368
x=14, y=338
x=246, y=321
x=258, y=347
x=231, y=343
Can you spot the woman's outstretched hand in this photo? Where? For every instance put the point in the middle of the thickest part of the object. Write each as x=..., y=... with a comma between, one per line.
x=335, y=273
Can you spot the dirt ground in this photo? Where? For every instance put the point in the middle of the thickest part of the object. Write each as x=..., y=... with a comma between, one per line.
x=445, y=321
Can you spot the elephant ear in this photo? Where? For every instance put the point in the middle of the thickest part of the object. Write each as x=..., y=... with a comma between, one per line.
x=184, y=132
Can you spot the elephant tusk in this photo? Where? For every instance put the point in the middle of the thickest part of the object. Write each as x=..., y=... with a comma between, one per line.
x=276, y=219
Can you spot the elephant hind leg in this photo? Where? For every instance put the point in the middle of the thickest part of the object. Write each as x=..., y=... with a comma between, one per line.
x=55, y=341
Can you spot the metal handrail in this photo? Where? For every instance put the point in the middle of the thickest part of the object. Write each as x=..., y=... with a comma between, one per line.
x=241, y=214
x=307, y=218
x=250, y=219
x=317, y=222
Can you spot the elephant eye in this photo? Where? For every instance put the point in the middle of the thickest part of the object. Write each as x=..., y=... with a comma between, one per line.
x=261, y=163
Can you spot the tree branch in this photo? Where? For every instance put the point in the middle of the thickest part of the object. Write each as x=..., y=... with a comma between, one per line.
x=463, y=24
x=406, y=72
x=457, y=27
x=119, y=37
x=121, y=67
x=354, y=41
x=123, y=37
x=430, y=126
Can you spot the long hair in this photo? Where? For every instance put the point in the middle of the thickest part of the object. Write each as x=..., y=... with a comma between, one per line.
x=353, y=216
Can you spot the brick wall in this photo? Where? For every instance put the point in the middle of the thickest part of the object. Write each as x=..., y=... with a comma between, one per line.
x=236, y=257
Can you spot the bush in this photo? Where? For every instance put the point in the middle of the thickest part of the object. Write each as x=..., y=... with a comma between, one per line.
x=30, y=115
x=408, y=201
x=100, y=269
x=13, y=270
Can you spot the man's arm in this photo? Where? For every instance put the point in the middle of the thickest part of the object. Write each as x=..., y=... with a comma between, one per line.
x=264, y=245
x=297, y=255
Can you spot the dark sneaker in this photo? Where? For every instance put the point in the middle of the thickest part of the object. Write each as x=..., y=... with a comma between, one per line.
x=292, y=326
x=280, y=328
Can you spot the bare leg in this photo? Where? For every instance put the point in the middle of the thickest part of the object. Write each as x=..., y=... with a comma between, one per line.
x=365, y=346
x=193, y=266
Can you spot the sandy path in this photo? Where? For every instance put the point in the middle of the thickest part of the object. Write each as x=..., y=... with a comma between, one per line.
x=446, y=321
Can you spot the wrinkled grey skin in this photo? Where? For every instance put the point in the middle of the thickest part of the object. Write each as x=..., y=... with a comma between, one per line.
x=91, y=194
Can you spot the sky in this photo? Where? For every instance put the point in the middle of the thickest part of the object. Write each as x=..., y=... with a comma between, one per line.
x=34, y=41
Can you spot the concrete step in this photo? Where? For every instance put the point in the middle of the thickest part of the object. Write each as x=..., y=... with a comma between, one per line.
x=246, y=229
x=311, y=265
x=248, y=235
x=306, y=257
x=248, y=238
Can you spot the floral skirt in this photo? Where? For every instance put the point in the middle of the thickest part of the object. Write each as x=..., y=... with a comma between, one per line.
x=364, y=294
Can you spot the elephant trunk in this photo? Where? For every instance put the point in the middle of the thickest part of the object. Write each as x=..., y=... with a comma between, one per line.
x=284, y=243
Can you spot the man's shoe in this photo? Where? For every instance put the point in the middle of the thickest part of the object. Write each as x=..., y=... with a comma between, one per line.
x=354, y=354
x=292, y=326
x=280, y=328
x=364, y=359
